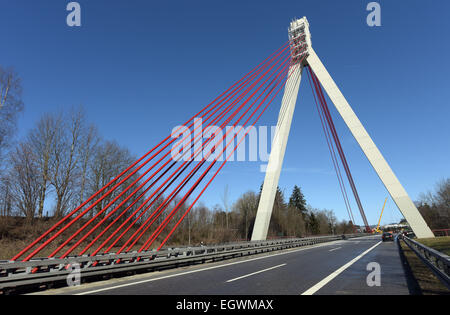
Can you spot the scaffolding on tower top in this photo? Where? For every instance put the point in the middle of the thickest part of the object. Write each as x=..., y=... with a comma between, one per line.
x=300, y=39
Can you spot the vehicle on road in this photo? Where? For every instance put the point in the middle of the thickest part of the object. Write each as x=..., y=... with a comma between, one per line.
x=387, y=236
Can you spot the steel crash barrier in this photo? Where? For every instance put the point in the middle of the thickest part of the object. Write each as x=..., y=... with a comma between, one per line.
x=438, y=262
x=44, y=273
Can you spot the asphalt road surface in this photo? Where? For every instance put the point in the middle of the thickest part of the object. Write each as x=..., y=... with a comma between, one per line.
x=339, y=267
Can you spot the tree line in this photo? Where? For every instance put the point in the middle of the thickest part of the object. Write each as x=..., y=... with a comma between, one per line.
x=435, y=206
x=60, y=162
x=291, y=217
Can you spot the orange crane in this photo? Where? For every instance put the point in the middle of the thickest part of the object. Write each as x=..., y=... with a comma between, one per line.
x=377, y=230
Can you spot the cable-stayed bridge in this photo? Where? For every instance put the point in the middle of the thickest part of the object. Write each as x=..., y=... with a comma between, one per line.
x=128, y=222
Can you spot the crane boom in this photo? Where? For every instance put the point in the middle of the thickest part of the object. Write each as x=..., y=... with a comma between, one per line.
x=377, y=230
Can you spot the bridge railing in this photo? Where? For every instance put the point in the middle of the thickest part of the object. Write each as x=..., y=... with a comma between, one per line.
x=438, y=262
x=48, y=272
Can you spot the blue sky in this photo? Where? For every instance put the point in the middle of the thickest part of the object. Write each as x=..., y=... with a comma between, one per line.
x=141, y=67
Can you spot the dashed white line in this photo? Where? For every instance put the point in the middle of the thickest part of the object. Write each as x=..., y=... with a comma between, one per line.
x=332, y=250
x=322, y=283
x=255, y=273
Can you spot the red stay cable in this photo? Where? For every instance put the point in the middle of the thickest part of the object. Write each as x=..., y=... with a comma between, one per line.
x=339, y=147
x=141, y=215
x=212, y=178
x=85, y=211
x=155, y=234
x=106, y=217
x=179, y=185
x=332, y=151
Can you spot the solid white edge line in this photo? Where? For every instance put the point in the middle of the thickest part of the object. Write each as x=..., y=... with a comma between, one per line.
x=199, y=270
x=322, y=283
x=254, y=273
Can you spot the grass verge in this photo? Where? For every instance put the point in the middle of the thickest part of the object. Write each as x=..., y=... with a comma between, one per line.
x=441, y=244
x=429, y=284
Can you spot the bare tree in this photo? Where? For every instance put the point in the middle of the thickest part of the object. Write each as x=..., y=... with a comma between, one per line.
x=443, y=194
x=435, y=207
x=10, y=105
x=226, y=204
x=25, y=182
x=89, y=143
x=65, y=161
x=201, y=224
x=331, y=220
x=42, y=140
x=247, y=206
x=108, y=161
x=6, y=197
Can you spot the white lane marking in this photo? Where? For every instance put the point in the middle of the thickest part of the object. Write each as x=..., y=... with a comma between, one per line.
x=331, y=250
x=322, y=283
x=254, y=273
x=198, y=270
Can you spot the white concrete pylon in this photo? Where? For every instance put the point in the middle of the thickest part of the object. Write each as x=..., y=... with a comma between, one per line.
x=279, y=143
x=376, y=159
x=301, y=46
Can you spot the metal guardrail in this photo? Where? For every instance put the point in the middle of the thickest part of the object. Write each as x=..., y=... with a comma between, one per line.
x=438, y=262
x=442, y=232
x=48, y=272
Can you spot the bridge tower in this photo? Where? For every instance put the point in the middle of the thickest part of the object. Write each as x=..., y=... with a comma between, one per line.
x=301, y=47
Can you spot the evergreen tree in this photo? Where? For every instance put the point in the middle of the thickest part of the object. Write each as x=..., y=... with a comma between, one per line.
x=297, y=200
x=313, y=224
x=276, y=227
